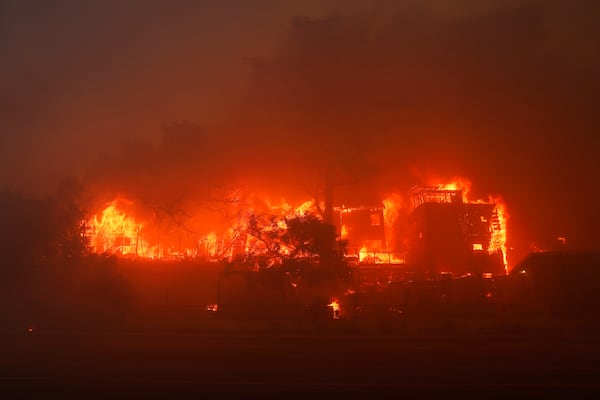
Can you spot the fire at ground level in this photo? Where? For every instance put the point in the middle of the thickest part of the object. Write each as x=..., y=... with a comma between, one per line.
x=442, y=230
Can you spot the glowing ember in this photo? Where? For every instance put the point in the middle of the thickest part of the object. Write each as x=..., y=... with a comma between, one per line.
x=335, y=308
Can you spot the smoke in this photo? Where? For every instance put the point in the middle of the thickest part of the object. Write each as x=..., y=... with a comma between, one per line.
x=373, y=99
x=502, y=96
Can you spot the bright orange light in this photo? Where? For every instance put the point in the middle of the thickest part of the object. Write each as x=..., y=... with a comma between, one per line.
x=116, y=232
x=458, y=183
x=212, y=307
x=335, y=308
x=344, y=232
x=392, y=204
x=499, y=222
x=498, y=225
x=363, y=254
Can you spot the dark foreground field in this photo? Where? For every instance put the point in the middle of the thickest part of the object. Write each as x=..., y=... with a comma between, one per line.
x=284, y=365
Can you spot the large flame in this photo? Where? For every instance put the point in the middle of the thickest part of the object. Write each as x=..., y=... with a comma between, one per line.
x=115, y=230
x=499, y=222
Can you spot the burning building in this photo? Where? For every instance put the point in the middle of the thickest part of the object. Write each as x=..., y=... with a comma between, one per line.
x=363, y=228
x=440, y=230
x=450, y=233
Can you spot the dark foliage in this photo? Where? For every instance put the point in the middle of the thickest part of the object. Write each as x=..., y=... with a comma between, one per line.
x=304, y=247
x=47, y=275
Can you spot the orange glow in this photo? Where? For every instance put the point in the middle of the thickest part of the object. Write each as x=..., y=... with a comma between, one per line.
x=335, y=308
x=499, y=218
x=363, y=254
x=372, y=254
x=308, y=207
x=212, y=307
x=458, y=183
x=344, y=232
x=499, y=222
x=498, y=225
x=393, y=203
x=116, y=229
x=209, y=243
x=116, y=232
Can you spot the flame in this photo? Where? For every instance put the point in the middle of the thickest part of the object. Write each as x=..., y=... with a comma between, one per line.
x=363, y=254
x=115, y=231
x=209, y=241
x=458, y=183
x=308, y=207
x=371, y=254
x=344, y=232
x=392, y=205
x=499, y=219
x=499, y=222
x=335, y=308
x=498, y=225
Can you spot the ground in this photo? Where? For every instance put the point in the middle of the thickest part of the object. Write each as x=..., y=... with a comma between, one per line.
x=295, y=365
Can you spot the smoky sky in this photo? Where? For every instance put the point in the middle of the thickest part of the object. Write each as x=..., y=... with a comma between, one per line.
x=384, y=93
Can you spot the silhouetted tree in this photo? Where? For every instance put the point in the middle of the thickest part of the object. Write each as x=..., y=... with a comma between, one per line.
x=303, y=246
x=70, y=219
x=47, y=275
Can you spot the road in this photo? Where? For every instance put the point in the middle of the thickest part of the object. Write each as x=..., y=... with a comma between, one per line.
x=170, y=365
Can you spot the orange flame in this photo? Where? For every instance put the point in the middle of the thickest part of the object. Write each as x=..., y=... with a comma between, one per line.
x=115, y=231
x=498, y=240
x=335, y=308
x=458, y=183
